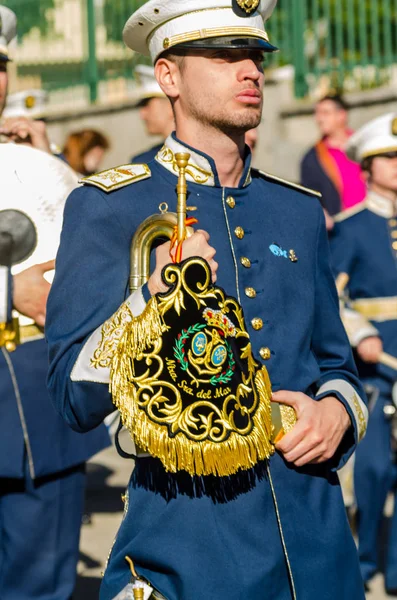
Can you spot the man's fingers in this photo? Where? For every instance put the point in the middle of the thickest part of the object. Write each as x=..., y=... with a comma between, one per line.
x=214, y=267
x=204, y=233
x=313, y=457
x=304, y=447
x=289, y=398
x=291, y=439
x=47, y=266
x=40, y=320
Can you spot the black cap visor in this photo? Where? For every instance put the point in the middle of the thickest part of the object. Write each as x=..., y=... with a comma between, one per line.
x=387, y=154
x=232, y=42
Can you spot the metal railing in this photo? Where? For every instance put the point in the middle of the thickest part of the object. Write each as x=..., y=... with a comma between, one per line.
x=336, y=44
x=339, y=44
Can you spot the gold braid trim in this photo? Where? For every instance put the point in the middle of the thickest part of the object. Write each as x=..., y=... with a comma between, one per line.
x=180, y=452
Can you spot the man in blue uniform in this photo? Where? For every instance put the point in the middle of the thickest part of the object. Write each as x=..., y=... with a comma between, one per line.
x=364, y=251
x=42, y=474
x=278, y=530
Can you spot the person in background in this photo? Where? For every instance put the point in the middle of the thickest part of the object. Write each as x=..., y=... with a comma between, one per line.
x=42, y=462
x=84, y=151
x=30, y=103
x=364, y=254
x=326, y=167
x=23, y=122
x=155, y=110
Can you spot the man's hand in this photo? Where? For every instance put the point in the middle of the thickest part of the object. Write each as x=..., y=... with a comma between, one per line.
x=26, y=131
x=31, y=291
x=370, y=349
x=318, y=432
x=196, y=245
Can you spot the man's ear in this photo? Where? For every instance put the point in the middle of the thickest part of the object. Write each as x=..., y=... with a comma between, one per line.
x=168, y=77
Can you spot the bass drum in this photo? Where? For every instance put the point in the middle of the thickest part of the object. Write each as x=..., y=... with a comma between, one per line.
x=34, y=188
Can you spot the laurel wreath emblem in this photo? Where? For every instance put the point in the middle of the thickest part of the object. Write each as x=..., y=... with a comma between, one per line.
x=180, y=354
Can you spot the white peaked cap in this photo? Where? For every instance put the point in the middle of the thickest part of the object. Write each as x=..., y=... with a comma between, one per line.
x=376, y=137
x=29, y=103
x=158, y=26
x=8, y=30
x=148, y=86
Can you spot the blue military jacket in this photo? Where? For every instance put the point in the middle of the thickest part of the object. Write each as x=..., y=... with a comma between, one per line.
x=31, y=430
x=364, y=246
x=147, y=155
x=275, y=532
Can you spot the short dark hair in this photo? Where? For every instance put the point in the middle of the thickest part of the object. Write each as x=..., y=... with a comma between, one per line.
x=366, y=164
x=176, y=55
x=337, y=99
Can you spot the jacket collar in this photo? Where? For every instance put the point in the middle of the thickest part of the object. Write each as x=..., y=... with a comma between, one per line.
x=384, y=207
x=201, y=168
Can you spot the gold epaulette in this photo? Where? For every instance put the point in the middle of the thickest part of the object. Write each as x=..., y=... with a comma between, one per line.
x=350, y=212
x=118, y=177
x=290, y=184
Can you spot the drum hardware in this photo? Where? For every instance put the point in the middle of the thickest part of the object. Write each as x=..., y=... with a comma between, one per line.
x=31, y=209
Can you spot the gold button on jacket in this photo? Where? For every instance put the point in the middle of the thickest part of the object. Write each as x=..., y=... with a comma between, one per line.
x=230, y=201
x=257, y=323
x=239, y=233
x=245, y=262
x=250, y=292
x=265, y=353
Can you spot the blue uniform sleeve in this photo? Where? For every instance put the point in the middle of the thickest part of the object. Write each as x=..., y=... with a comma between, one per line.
x=90, y=284
x=344, y=258
x=331, y=347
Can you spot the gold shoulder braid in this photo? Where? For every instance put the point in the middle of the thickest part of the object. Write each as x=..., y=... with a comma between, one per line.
x=185, y=381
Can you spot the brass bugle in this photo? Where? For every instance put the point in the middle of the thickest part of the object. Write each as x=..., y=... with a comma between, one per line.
x=161, y=225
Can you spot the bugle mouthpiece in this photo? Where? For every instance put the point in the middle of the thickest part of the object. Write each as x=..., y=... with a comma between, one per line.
x=182, y=159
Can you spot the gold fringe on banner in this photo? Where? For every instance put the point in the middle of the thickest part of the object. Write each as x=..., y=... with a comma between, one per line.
x=181, y=452
x=143, y=330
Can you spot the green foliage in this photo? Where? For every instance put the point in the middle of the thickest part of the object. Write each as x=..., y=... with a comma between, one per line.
x=32, y=14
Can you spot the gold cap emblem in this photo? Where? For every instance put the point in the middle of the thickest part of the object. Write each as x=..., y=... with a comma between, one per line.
x=394, y=126
x=30, y=101
x=248, y=6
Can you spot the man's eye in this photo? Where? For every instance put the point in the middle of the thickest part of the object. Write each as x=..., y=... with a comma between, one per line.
x=260, y=58
x=221, y=54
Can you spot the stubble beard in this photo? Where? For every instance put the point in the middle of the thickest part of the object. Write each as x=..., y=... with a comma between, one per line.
x=209, y=114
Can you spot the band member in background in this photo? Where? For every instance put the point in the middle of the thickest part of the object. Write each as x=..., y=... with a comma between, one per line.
x=42, y=472
x=326, y=167
x=364, y=253
x=84, y=150
x=155, y=111
x=279, y=529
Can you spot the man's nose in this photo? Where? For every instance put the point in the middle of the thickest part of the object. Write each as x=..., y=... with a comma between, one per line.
x=250, y=70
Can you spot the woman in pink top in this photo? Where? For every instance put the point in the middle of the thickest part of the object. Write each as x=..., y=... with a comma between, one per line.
x=326, y=167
